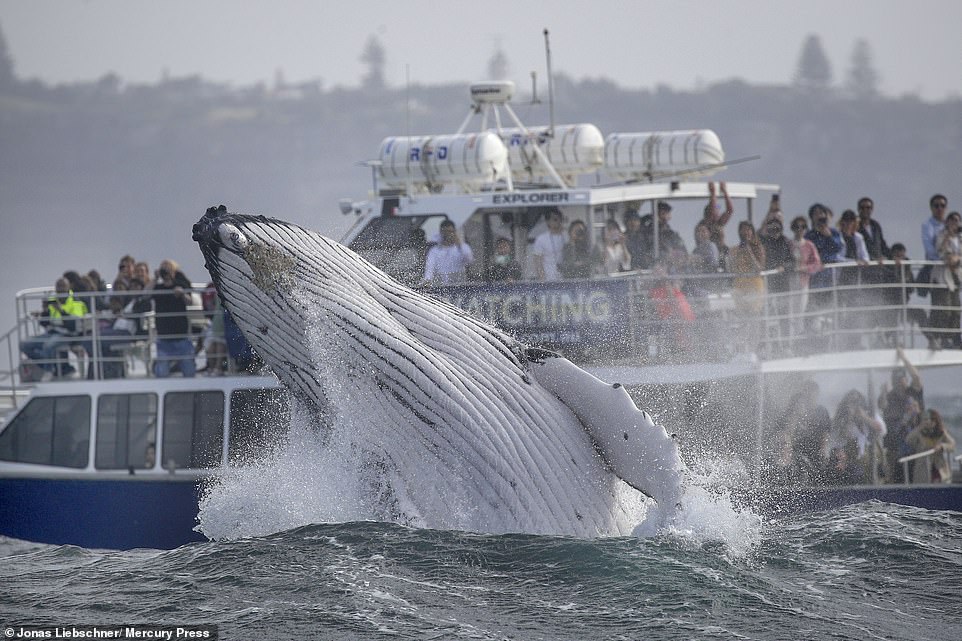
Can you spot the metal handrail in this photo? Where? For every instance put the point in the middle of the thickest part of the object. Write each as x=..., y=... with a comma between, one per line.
x=905, y=460
x=782, y=329
x=95, y=344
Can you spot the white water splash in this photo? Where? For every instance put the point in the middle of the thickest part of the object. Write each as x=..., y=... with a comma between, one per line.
x=316, y=475
x=303, y=480
x=707, y=513
x=311, y=479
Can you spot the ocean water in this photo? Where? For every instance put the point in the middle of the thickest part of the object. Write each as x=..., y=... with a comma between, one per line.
x=869, y=571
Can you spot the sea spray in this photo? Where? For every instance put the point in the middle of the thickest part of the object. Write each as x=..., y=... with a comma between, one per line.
x=707, y=512
x=325, y=470
x=310, y=475
x=304, y=479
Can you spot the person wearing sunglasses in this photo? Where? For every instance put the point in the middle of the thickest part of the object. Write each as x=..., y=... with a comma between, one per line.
x=807, y=263
x=125, y=272
x=827, y=240
x=931, y=229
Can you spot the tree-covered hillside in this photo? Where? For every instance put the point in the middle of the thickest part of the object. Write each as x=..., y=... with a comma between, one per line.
x=92, y=171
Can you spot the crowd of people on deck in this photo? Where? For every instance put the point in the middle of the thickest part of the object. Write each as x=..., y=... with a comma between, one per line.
x=860, y=445
x=101, y=325
x=796, y=272
x=855, y=445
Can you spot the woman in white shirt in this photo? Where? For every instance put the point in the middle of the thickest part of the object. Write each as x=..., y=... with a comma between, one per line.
x=615, y=256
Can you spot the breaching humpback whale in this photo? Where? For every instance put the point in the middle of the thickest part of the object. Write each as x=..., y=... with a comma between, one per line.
x=465, y=427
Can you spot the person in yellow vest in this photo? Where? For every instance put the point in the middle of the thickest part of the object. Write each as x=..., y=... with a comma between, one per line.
x=62, y=318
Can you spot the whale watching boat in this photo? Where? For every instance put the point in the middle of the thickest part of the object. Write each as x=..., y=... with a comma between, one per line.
x=117, y=459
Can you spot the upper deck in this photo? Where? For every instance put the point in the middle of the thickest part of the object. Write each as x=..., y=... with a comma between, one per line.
x=634, y=327
x=666, y=320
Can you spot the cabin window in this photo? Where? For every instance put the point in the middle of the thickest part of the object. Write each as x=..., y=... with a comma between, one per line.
x=393, y=232
x=398, y=245
x=259, y=418
x=53, y=430
x=193, y=429
x=126, y=431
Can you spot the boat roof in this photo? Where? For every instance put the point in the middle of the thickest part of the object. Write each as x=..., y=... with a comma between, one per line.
x=460, y=207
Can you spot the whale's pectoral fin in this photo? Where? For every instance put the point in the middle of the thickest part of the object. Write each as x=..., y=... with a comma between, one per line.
x=638, y=450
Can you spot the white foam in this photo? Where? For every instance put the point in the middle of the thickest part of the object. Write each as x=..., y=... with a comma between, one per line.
x=303, y=481
x=706, y=513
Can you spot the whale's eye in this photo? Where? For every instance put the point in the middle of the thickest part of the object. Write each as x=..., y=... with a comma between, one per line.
x=231, y=237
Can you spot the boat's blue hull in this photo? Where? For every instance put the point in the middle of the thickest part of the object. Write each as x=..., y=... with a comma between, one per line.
x=139, y=513
x=777, y=501
x=100, y=513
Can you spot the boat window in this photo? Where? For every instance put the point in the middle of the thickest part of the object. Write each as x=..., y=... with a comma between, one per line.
x=52, y=430
x=392, y=232
x=193, y=429
x=398, y=245
x=259, y=418
x=126, y=431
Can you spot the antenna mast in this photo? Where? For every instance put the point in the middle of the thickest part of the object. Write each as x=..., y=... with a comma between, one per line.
x=547, y=55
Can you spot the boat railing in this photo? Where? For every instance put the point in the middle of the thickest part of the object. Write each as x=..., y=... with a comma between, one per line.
x=95, y=349
x=851, y=307
x=928, y=455
x=714, y=318
x=12, y=391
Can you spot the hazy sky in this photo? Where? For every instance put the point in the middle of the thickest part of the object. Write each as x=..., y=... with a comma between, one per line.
x=916, y=44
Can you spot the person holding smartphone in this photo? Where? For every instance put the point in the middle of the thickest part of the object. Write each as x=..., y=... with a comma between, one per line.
x=170, y=298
